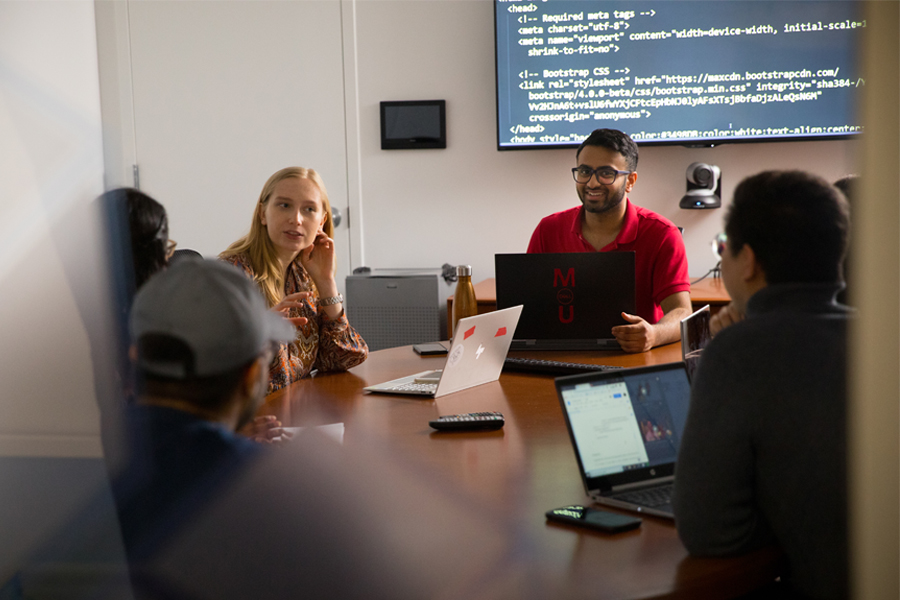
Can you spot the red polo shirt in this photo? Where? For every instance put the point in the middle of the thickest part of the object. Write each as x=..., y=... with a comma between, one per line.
x=660, y=262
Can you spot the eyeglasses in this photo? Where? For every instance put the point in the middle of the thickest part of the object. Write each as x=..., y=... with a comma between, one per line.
x=718, y=244
x=605, y=175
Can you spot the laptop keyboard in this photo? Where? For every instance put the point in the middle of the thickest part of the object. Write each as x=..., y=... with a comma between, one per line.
x=414, y=387
x=551, y=367
x=652, y=497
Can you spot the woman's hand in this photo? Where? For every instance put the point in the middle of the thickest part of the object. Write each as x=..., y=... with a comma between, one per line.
x=318, y=260
x=292, y=301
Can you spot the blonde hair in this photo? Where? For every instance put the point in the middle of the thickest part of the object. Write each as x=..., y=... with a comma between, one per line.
x=259, y=248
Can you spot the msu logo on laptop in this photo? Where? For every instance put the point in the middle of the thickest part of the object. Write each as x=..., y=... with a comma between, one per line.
x=557, y=314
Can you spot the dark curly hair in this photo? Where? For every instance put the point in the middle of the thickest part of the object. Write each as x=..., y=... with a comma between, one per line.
x=797, y=223
x=615, y=140
x=148, y=230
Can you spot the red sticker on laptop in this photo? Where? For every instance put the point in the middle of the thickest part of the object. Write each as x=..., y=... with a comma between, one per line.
x=469, y=333
x=500, y=332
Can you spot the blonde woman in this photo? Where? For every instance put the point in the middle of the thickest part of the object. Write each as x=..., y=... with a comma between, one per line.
x=289, y=253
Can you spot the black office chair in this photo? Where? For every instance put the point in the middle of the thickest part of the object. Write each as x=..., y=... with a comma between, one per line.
x=184, y=253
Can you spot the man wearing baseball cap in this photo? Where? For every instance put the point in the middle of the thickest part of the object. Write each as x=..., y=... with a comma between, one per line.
x=206, y=513
x=203, y=338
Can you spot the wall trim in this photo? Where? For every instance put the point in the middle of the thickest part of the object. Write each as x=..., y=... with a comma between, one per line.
x=352, y=133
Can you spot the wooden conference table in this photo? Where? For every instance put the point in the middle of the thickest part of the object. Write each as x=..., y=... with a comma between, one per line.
x=524, y=469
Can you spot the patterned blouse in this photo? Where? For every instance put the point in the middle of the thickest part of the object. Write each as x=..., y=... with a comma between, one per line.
x=323, y=344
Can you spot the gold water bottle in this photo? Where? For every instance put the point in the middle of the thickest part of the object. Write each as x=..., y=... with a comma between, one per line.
x=464, y=298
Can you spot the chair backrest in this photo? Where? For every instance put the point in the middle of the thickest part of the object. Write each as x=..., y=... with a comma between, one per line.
x=183, y=253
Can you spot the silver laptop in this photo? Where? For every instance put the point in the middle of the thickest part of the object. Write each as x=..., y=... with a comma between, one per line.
x=476, y=356
x=626, y=427
x=695, y=336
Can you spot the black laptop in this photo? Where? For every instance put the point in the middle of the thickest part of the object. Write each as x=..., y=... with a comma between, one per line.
x=626, y=427
x=571, y=301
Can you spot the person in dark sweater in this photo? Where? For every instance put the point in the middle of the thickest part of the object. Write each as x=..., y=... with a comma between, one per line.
x=206, y=513
x=763, y=456
x=204, y=337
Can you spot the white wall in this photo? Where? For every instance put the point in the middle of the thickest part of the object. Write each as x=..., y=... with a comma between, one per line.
x=50, y=168
x=210, y=98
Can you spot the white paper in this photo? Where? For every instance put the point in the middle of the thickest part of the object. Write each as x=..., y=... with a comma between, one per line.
x=332, y=430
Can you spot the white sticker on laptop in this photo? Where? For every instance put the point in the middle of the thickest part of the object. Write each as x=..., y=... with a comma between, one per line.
x=455, y=357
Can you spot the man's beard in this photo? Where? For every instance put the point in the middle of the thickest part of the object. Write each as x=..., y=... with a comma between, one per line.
x=612, y=200
x=250, y=406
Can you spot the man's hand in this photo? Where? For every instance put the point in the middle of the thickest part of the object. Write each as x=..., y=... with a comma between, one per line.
x=639, y=336
x=728, y=315
x=265, y=430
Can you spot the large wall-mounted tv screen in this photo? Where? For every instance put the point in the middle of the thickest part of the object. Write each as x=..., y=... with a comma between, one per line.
x=676, y=72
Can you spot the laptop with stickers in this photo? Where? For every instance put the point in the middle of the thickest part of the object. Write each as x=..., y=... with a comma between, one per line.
x=476, y=356
x=626, y=427
x=572, y=300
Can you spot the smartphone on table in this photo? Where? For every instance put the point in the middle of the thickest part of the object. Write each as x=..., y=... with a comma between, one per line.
x=593, y=518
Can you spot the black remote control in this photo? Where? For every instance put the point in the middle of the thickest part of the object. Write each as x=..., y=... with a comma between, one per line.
x=479, y=421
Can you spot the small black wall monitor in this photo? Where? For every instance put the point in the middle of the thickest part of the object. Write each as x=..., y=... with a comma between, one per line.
x=412, y=124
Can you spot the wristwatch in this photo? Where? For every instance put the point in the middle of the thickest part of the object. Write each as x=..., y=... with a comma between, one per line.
x=332, y=300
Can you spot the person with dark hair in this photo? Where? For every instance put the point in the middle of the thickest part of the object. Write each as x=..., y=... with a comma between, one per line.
x=137, y=246
x=763, y=454
x=138, y=238
x=149, y=230
x=204, y=338
x=733, y=313
x=607, y=221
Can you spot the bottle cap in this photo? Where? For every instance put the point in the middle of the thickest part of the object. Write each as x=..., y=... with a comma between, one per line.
x=464, y=271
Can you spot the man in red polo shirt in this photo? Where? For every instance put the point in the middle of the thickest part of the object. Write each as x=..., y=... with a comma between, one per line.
x=607, y=221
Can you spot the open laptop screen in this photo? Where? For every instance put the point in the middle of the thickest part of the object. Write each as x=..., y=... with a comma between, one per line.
x=568, y=296
x=695, y=336
x=626, y=424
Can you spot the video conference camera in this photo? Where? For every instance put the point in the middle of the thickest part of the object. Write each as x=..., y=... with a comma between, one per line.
x=704, y=187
